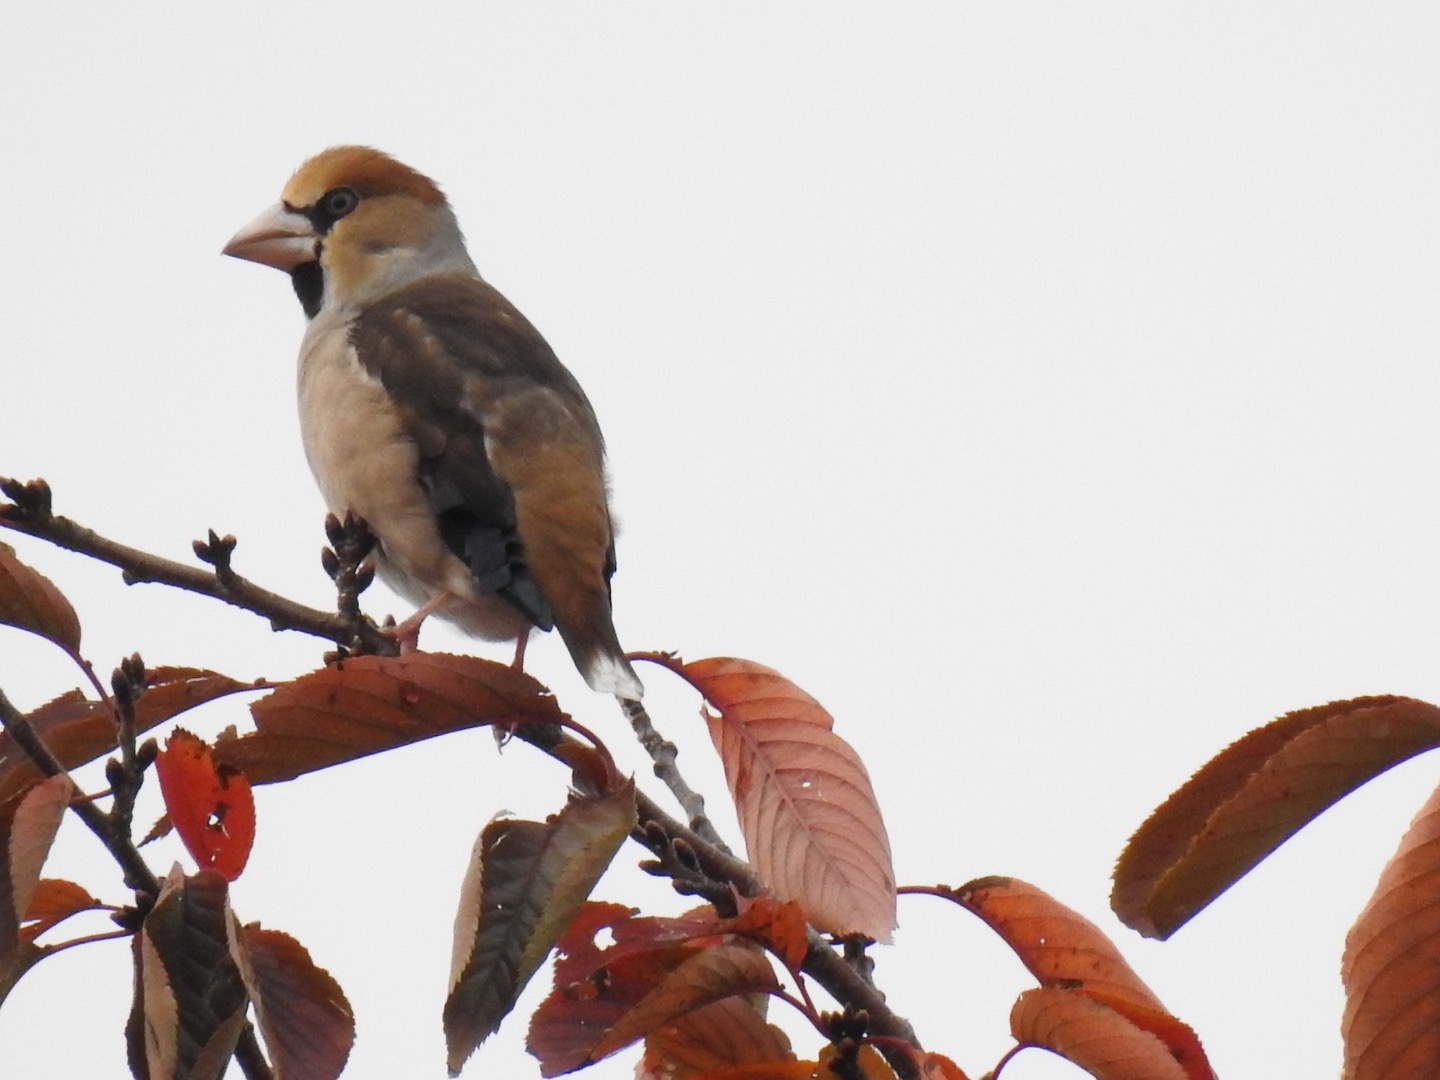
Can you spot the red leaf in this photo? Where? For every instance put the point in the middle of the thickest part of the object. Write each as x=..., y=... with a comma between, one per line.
x=30, y=601
x=307, y=1022
x=812, y=827
x=765, y=1070
x=212, y=809
x=372, y=703
x=713, y=974
x=716, y=1039
x=1392, y=982
x=1253, y=796
x=595, y=987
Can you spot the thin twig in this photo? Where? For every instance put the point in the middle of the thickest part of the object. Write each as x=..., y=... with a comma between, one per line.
x=138, y=875
x=32, y=516
x=663, y=752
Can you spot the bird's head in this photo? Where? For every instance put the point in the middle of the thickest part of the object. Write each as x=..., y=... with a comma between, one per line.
x=352, y=224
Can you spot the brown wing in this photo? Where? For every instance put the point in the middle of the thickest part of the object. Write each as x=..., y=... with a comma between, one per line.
x=511, y=455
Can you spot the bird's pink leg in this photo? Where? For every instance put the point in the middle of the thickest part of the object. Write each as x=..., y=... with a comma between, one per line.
x=407, y=633
x=518, y=664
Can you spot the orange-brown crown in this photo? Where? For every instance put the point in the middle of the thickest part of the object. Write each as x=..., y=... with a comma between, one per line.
x=367, y=170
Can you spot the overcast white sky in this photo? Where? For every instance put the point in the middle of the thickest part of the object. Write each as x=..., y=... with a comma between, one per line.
x=1048, y=388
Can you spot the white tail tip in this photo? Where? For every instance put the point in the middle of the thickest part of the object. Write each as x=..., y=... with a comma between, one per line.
x=613, y=675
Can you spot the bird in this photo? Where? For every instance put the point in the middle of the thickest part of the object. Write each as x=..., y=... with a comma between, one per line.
x=434, y=410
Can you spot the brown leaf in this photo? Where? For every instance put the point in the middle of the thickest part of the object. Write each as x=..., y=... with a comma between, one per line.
x=595, y=987
x=1391, y=1024
x=21, y=959
x=1253, y=796
x=368, y=704
x=78, y=730
x=303, y=1014
x=190, y=1001
x=1092, y=1035
x=726, y=1033
x=28, y=824
x=29, y=600
x=1058, y=946
x=711, y=975
x=812, y=827
x=527, y=880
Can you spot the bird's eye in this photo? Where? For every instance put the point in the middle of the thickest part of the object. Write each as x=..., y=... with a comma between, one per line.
x=338, y=202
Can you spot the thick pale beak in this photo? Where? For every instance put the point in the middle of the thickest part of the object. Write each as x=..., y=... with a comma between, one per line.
x=279, y=237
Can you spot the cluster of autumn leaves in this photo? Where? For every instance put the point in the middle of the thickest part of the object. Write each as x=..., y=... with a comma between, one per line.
x=693, y=988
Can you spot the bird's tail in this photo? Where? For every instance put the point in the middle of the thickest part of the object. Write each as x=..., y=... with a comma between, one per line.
x=611, y=673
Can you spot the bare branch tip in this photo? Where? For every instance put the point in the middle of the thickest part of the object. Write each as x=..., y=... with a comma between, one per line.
x=31, y=499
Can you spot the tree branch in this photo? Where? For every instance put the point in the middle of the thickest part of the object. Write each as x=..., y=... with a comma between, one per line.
x=30, y=514
x=694, y=856
x=663, y=752
x=138, y=876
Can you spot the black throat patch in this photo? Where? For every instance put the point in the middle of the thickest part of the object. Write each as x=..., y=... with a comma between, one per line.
x=309, y=282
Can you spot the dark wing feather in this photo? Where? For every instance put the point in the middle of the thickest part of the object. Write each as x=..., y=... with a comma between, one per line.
x=445, y=349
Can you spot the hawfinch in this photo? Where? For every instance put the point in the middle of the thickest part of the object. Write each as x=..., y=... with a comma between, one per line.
x=430, y=407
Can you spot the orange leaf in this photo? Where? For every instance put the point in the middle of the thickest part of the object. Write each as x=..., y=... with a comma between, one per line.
x=78, y=730
x=1179, y=1037
x=1058, y=946
x=712, y=1041
x=868, y=1063
x=1391, y=1025
x=368, y=704
x=812, y=827
x=30, y=601
x=713, y=974
x=307, y=1022
x=940, y=1067
x=779, y=927
x=1253, y=796
x=212, y=809
x=54, y=901
x=1092, y=1035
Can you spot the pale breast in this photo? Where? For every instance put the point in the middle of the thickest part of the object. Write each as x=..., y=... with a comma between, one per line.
x=366, y=463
